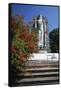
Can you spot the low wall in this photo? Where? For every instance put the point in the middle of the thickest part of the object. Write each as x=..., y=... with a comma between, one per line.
x=46, y=56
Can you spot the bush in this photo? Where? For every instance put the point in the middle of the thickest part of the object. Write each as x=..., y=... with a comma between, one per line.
x=24, y=43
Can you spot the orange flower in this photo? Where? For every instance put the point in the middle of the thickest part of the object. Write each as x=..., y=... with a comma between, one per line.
x=22, y=56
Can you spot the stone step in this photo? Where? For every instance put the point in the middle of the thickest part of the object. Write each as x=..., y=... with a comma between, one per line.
x=41, y=66
x=38, y=74
x=47, y=82
x=38, y=63
x=41, y=69
x=25, y=80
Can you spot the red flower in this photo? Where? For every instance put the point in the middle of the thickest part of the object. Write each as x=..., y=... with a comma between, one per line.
x=14, y=49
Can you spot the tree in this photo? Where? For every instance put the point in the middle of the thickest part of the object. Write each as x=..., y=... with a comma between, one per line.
x=54, y=40
x=24, y=43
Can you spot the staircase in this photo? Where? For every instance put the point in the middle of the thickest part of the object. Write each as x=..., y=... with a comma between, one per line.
x=38, y=73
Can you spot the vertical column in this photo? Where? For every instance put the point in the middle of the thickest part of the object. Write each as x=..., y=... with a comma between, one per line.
x=42, y=35
x=39, y=38
x=35, y=22
x=46, y=37
x=45, y=34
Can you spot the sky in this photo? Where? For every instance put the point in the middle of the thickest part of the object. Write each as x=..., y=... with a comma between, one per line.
x=28, y=11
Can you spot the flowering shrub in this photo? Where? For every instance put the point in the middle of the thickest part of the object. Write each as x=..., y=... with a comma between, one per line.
x=24, y=43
